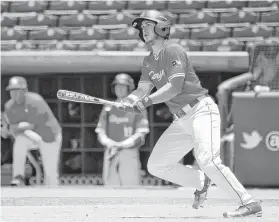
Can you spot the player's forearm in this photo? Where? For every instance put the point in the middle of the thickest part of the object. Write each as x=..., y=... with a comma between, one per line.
x=132, y=141
x=104, y=139
x=166, y=93
x=138, y=93
x=20, y=128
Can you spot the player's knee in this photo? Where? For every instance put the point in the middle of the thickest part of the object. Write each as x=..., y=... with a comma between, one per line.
x=211, y=164
x=20, y=138
x=157, y=168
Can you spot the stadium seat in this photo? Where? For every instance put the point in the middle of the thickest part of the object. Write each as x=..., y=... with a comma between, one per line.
x=225, y=4
x=7, y=20
x=276, y=2
x=67, y=45
x=38, y=20
x=107, y=5
x=198, y=17
x=123, y=34
x=128, y=45
x=212, y=32
x=49, y=34
x=239, y=17
x=148, y=4
x=28, y=45
x=8, y=45
x=87, y=46
x=191, y=45
x=179, y=32
x=78, y=20
x=47, y=45
x=270, y=17
x=184, y=5
x=87, y=34
x=233, y=44
x=28, y=6
x=4, y=6
x=253, y=31
x=117, y=18
x=12, y=34
x=224, y=45
x=212, y=45
x=258, y=3
x=107, y=45
x=67, y=5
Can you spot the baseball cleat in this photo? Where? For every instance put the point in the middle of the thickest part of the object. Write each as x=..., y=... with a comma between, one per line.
x=251, y=209
x=201, y=196
x=18, y=181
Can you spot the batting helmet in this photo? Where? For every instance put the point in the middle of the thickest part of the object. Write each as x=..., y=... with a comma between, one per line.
x=162, y=27
x=124, y=79
x=17, y=82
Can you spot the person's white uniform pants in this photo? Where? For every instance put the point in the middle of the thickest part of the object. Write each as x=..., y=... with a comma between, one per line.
x=50, y=153
x=123, y=170
x=198, y=129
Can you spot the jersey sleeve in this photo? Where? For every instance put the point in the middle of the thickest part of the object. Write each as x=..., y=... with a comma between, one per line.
x=44, y=112
x=175, y=62
x=102, y=123
x=7, y=107
x=142, y=124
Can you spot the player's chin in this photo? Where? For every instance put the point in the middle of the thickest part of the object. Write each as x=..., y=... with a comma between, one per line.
x=147, y=39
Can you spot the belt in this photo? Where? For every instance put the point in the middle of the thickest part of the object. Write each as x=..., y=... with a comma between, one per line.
x=183, y=111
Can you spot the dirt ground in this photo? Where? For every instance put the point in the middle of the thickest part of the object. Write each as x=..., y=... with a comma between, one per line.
x=108, y=204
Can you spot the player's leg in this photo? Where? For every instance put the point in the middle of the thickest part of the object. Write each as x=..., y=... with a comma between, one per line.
x=50, y=153
x=110, y=170
x=129, y=167
x=206, y=134
x=163, y=162
x=20, y=147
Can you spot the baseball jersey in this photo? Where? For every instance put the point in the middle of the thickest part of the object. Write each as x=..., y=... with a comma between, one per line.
x=172, y=62
x=34, y=110
x=119, y=125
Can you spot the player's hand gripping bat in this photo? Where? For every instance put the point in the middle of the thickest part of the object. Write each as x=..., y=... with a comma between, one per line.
x=83, y=98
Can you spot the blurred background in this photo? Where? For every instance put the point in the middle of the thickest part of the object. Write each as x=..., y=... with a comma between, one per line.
x=81, y=46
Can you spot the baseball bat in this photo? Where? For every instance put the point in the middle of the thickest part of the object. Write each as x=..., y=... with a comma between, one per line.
x=82, y=98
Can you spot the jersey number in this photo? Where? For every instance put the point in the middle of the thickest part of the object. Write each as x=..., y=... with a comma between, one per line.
x=128, y=130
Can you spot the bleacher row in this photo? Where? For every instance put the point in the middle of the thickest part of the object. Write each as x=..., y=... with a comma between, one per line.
x=106, y=25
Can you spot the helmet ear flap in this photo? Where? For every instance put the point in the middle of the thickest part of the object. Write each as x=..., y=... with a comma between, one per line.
x=162, y=31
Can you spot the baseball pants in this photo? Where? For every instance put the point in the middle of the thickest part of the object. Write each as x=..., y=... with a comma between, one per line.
x=50, y=153
x=199, y=129
x=123, y=169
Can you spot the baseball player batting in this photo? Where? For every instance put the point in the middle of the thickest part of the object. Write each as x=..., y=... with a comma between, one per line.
x=122, y=134
x=197, y=120
x=33, y=125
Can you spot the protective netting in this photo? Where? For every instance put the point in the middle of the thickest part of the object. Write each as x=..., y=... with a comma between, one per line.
x=264, y=64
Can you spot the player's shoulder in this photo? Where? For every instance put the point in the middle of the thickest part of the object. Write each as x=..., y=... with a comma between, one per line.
x=173, y=46
x=33, y=97
x=146, y=60
x=8, y=104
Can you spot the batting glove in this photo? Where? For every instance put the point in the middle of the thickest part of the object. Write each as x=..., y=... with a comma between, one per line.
x=141, y=104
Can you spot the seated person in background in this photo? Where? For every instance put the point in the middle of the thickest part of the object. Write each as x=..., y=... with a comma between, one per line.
x=33, y=126
x=122, y=134
x=6, y=150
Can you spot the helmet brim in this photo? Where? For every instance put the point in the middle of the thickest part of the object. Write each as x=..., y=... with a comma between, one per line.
x=137, y=22
x=9, y=88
